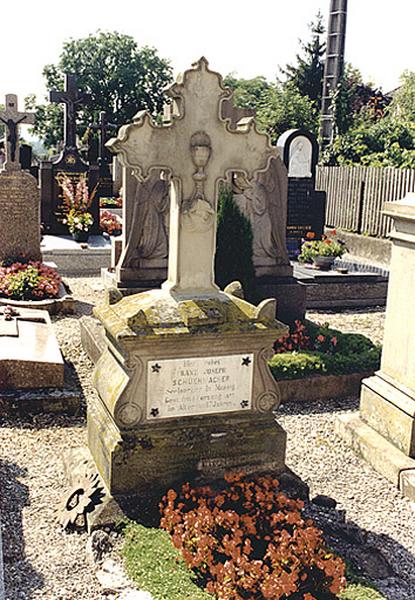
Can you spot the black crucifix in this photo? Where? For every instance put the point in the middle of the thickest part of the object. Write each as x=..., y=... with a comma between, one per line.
x=104, y=155
x=72, y=98
x=11, y=117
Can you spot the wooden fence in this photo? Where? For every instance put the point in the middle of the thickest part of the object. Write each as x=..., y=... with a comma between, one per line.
x=356, y=195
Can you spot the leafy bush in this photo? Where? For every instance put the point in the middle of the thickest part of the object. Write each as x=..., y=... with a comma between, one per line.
x=233, y=259
x=28, y=280
x=249, y=540
x=310, y=349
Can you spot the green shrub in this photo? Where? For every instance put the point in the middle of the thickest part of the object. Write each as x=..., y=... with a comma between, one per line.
x=312, y=349
x=233, y=260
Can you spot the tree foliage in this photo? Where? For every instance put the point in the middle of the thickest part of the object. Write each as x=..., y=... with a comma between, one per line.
x=307, y=74
x=403, y=103
x=120, y=77
x=283, y=107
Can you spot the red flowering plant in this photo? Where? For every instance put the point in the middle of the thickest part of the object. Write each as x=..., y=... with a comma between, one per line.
x=248, y=540
x=310, y=336
x=110, y=223
x=22, y=279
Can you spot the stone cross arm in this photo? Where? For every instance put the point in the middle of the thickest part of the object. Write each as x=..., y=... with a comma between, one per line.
x=145, y=146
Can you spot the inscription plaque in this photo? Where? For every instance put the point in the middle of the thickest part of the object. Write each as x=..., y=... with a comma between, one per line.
x=198, y=386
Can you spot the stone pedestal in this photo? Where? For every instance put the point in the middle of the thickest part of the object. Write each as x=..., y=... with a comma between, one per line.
x=190, y=393
x=387, y=408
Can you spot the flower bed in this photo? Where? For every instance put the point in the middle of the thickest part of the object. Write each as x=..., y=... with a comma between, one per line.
x=248, y=540
x=28, y=280
x=310, y=350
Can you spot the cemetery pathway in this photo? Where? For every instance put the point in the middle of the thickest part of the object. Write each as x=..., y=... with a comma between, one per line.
x=44, y=563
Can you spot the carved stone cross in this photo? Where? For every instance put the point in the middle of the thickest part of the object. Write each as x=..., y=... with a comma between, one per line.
x=199, y=150
x=72, y=98
x=11, y=117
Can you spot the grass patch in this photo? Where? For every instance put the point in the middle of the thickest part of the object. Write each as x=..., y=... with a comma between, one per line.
x=157, y=567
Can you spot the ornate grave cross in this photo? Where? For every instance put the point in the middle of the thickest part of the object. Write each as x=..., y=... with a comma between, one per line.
x=104, y=128
x=72, y=98
x=199, y=150
x=11, y=117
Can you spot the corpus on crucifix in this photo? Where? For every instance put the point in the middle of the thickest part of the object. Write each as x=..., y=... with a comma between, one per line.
x=199, y=150
x=12, y=118
x=72, y=98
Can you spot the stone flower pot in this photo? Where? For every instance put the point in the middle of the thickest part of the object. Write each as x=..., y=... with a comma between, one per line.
x=324, y=263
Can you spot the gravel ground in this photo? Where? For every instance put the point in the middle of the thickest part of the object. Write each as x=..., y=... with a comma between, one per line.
x=42, y=562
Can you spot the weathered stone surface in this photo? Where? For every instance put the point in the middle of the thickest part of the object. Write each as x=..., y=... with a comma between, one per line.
x=385, y=458
x=390, y=411
x=153, y=457
x=322, y=387
x=407, y=483
x=92, y=338
x=20, y=216
x=30, y=356
x=141, y=448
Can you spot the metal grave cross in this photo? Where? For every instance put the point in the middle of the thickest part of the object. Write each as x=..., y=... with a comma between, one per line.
x=199, y=150
x=72, y=98
x=11, y=117
x=104, y=156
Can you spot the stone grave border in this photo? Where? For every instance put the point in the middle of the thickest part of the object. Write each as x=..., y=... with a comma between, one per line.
x=64, y=304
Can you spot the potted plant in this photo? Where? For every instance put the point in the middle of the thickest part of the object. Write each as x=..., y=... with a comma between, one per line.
x=322, y=253
x=75, y=207
x=110, y=223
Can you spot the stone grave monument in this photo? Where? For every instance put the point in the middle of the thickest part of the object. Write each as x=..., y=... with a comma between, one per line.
x=19, y=194
x=306, y=206
x=139, y=258
x=30, y=357
x=69, y=163
x=384, y=430
x=190, y=393
x=105, y=184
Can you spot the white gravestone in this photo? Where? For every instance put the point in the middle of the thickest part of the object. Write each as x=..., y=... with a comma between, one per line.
x=199, y=386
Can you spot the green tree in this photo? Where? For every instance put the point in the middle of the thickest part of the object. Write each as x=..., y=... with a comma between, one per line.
x=233, y=259
x=403, y=103
x=247, y=93
x=307, y=74
x=120, y=78
x=283, y=107
x=385, y=142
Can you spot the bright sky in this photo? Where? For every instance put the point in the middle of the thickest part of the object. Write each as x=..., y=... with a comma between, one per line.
x=245, y=36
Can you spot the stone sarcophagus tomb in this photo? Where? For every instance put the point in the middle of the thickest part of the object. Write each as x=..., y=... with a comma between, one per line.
x=184, y=389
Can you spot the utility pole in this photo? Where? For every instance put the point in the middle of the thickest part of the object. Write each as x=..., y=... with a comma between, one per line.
x=334, y=65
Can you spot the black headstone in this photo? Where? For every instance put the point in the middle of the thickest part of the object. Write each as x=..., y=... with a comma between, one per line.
x=306, y=206
x=105, y=181
x=68, y=163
